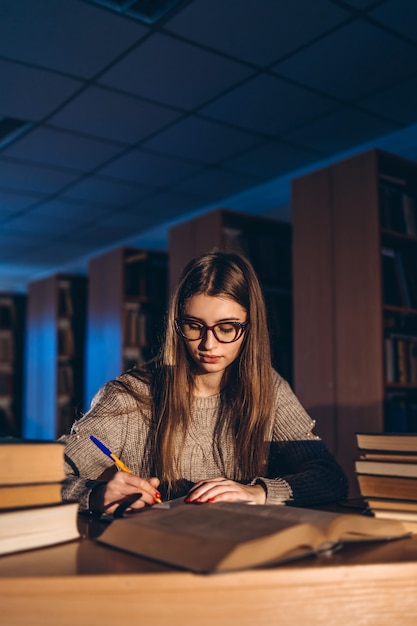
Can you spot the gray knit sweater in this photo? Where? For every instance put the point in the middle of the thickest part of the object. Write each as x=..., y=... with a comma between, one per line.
x=301, y=470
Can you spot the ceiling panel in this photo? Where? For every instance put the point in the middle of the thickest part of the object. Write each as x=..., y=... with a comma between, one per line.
x=77, y=214
x=123, y=118
x=399, y=16
x=140, y=166
x=269, y=105
x=30, y=222
x=342, y=129
x=29, y=93
x=61, y=149
x=11, y=203
x=64, y=250
x=352, y=61
x=205, y=141
x=397, y=103
x=215, y=184
x=362, y=4
x=33, y=178
x=270, y=158
x=59, y=35
x=165, y=206
x=258, y=33
x=165, y=69
x=106, y=192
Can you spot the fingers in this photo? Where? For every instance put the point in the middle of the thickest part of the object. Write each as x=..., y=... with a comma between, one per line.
x=218, y=490
x=125, y=487
x=154, y=482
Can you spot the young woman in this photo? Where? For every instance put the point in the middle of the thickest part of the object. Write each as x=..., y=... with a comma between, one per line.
x=209, y=419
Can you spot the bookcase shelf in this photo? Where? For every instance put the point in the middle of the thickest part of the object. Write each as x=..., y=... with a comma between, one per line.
x=55, y=334
x=267, y=243
x=127, y=301
x=355, y=298
x=12, y=323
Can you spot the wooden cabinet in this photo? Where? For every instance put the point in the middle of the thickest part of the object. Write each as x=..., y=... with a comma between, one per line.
x=127, y=301
x=345, y=227
x=54, y=359
x=267, y=243
x=12, y=321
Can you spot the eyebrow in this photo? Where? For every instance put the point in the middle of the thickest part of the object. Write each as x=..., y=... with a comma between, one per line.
x=199, y=319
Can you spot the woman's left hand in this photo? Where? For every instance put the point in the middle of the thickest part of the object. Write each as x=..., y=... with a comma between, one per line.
x=224, y=490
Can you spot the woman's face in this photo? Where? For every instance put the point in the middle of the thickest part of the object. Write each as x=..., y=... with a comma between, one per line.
x=210, y=355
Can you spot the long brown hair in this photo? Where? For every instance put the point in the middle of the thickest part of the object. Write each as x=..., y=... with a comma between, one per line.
x=246, y=395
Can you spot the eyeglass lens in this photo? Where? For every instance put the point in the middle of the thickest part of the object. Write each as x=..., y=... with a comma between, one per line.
x=225, y=332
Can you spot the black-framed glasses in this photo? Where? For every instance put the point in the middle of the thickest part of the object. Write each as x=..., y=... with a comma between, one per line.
x=224, y=332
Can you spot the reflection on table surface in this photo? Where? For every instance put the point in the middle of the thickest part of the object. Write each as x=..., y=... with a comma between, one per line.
x=88, y=557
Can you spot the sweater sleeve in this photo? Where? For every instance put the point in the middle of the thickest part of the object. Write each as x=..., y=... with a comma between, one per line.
x=84, y=462
x=301, y=470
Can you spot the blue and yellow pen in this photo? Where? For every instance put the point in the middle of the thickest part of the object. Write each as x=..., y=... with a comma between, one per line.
x=115, y=459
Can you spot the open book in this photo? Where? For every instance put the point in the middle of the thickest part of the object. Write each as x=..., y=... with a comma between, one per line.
x=228, y=536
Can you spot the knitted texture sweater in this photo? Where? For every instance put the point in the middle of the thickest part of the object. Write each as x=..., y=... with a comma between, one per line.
x=301, y=470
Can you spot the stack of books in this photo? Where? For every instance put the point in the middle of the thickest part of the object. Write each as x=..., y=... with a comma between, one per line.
x=387, y=475
x=32, y=513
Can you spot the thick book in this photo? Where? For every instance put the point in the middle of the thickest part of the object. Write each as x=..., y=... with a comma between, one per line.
x=386, y=468
x=24, y=529
x=231, y=536
x=392, y=505
x=20, y=496
x=402, y=457
x=26, y=461
x=395, y=487
x=407, y=518
x=390, y=442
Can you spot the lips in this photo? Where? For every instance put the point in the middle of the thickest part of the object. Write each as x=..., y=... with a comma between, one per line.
x=209, y=359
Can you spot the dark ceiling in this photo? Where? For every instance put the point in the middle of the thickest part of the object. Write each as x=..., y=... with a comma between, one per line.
x=113, y=129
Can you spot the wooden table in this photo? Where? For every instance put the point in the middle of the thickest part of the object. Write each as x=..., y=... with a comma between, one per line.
x=84, y=583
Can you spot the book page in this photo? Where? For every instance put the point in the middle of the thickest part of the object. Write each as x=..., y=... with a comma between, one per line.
x=214, y=537
x=227, y=536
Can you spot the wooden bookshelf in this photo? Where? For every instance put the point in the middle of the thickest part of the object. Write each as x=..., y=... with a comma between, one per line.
x=12, y=324
x=55, y=333
x=127, y=301
x=355, y=298
x=267, y=243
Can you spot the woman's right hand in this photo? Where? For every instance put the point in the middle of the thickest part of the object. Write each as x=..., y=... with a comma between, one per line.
x=107, y=497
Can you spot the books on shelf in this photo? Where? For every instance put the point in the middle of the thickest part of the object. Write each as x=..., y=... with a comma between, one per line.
x=66, y=344
x=7, y=313
x=65, y=299
x=6, y=381
x=232, y=536
x=387, y=475
x=6, y=346
x=401, y=359
x=399, y=279
x=400, y=410
x=65, y=379
x=24, y=529
x=135, y=324
x=397, y=207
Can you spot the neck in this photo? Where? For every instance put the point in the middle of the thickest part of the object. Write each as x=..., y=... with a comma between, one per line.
x=207, y=384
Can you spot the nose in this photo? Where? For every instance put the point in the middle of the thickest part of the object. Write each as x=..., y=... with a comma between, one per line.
x=208, y=340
